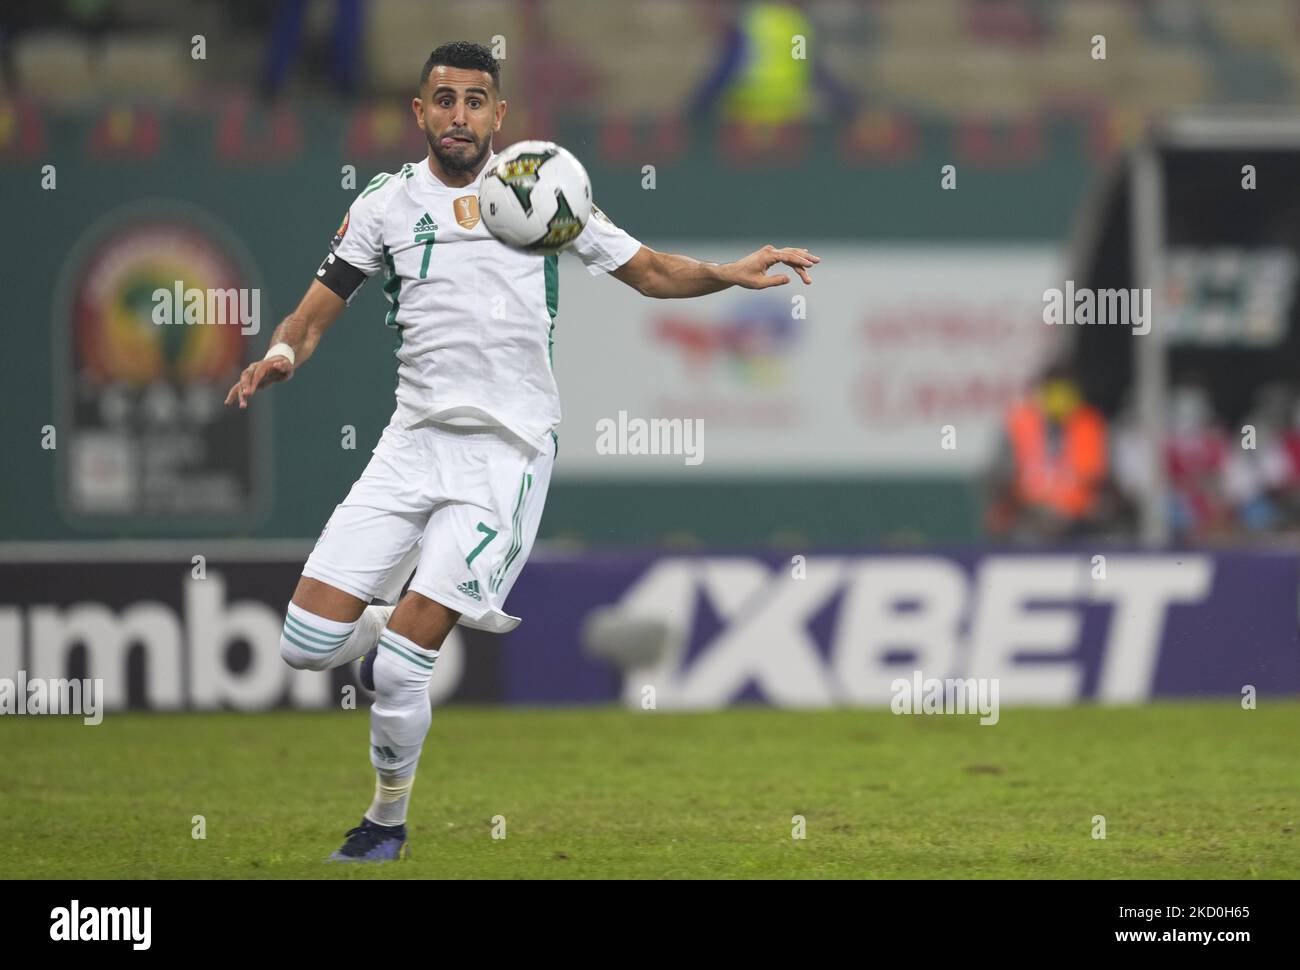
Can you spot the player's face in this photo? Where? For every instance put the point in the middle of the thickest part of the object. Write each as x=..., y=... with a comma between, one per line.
x=459, y=111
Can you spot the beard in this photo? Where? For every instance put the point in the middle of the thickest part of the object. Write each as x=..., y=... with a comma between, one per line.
x=458, y=159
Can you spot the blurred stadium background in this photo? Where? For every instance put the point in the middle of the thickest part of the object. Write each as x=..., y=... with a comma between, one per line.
x=948, y=466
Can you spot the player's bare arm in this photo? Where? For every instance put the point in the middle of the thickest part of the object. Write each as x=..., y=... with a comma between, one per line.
x=672, y=276
x=301, y=330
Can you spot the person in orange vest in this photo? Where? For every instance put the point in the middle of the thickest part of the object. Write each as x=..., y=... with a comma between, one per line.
x=1054, y=469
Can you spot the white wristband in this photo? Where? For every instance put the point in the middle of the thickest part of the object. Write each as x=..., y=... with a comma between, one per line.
x=281, y=350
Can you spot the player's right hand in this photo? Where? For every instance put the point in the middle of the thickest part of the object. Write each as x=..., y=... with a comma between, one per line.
x=256, y=376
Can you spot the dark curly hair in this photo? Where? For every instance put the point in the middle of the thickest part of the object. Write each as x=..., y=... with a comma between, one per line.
x=467, y=54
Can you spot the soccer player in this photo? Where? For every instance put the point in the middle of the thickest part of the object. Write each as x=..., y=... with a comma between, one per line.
x=456, y=485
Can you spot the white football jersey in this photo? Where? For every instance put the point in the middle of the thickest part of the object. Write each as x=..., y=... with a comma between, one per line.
x=475, y=318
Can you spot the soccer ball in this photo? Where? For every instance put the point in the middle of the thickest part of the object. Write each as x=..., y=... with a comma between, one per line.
x=536, y=197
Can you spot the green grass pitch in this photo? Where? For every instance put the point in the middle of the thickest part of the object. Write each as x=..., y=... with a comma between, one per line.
x=1195, y=790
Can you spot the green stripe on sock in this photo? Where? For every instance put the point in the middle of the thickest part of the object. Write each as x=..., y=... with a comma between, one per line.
x=427, y=664
x=292, y=638
x=305, y=627
x=315, y=635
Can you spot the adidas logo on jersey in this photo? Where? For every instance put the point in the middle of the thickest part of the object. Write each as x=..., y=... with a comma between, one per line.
x=471, y=589
x=425, y=228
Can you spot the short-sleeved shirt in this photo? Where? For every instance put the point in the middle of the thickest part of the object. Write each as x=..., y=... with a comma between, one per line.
x=476, y=318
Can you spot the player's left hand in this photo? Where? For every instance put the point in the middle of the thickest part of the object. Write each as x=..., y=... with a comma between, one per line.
x=751, y=272
x=257, y=375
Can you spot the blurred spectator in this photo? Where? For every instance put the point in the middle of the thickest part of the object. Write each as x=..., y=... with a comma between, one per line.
x=1258, y=474
x=287, y=37
x=1047, y=483
x=1287, y=486
x=1218, y=485
x=92, y=19
x=758, y=80
x=1196, y=453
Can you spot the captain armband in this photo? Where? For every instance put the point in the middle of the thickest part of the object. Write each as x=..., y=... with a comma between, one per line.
x=340, y=276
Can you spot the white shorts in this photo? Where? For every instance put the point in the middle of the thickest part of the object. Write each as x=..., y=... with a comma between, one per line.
x=460, y=508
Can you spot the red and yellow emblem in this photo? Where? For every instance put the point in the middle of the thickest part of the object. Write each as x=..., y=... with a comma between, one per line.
x=341, y=231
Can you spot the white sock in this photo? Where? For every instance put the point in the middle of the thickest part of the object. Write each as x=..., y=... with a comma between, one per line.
x=369, y=626
x=311, y=642
x=399, y=720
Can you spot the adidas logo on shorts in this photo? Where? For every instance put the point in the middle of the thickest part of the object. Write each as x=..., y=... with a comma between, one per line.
x=471, y=589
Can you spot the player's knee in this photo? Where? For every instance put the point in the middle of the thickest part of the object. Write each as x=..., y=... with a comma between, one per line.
x=298, y=654
x=401, y=714
x=311, y=642
x=396, y=677
x=297, y=658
